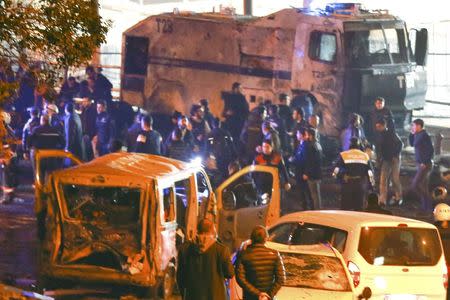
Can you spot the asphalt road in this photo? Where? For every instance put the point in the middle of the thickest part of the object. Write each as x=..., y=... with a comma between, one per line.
x=18, y=242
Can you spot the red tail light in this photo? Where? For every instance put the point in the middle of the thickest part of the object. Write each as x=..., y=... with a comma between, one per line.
x=354, y=272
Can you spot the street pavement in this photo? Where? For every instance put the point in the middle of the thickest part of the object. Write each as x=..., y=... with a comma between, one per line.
x=18, y=237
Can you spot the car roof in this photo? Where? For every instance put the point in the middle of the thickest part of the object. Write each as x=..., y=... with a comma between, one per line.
x=315, y=249
x=348, y=220
x=125, y=164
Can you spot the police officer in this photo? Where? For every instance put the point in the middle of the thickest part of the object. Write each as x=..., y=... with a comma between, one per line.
x=354, y=170
x=148, y=140
x=104, y=127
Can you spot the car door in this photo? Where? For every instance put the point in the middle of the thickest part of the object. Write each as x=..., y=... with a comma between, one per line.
x=47, y=210
x=248, y=198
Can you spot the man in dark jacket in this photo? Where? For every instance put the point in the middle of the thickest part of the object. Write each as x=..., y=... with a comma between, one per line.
x=313, y=167
x=424, y=153
x=104, y=128
x=354, y=171
x=73, y=132
x=148, y=140
x=88, y=118
x=259, y=270
x=380, y=112
x=389, y=147
x=235, y=111
x=203, y=266
x=32, y=123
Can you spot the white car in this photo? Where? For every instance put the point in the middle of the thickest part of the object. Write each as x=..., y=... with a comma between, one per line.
x=313, y=272
x=397, y=258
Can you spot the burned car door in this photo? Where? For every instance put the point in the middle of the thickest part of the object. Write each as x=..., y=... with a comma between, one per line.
x=248, y=198
x=46, y=207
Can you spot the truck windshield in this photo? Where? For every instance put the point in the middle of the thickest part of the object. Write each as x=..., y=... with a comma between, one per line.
x=111, y=206
x=375, y=43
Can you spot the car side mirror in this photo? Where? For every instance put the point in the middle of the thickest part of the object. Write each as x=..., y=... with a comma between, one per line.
x=229, y=200
x=366, y=293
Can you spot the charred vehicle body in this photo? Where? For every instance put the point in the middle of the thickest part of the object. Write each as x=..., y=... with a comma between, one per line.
x=119, y=218
x=341, y=58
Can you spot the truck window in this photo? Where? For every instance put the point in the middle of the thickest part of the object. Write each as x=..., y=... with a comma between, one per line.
x=111, y=206
x=182, y=195
x=322, y=46
x=169, y=204
x=136, y=53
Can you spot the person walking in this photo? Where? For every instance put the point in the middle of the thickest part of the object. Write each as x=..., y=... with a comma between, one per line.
x=204, y=265
x=148, y=140
x=313, y=168
x=389, y=147
x=259, y=270
x=354, y=171
x=424, y=153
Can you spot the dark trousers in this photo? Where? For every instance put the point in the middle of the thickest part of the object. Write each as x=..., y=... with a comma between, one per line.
x=420, y=185
x=353, y=194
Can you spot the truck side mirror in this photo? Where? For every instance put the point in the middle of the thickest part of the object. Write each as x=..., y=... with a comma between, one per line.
x=420, y=45
x=366, y=293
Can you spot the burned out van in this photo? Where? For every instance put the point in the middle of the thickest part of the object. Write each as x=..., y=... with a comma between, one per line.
x=119, y=218
x=340, y=58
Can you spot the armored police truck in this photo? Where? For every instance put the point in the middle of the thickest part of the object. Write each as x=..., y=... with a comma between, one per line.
x=341, y=58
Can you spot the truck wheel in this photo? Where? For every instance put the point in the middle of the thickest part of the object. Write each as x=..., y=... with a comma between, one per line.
x=168, y=283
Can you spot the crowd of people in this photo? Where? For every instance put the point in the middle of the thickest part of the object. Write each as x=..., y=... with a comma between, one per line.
x=283, y=133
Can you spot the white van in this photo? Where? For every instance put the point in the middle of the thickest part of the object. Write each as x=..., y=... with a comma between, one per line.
x=397, y=258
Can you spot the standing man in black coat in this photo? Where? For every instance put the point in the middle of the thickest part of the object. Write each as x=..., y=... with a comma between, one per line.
x=424, y=153
x=389, y=147
x=104, y=128
x=259, y=270
x=204, y=265
x=148, y=140
x=73, y=132
x=236, y=111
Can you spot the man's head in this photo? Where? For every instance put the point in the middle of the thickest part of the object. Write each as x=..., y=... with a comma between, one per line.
x=206, y=234
x=267, y=147
x=273, y=110
x=417, y=125
x=236, y=88
x=175, y=117
x=283, y=99
x=298, y=114
x=205, y=104
x=311, y=134
x=372, y=199
x=101, y=106
x=197, y=111
x=259, y=235
x=85, y=102
x=71, y=81
x=233, y=167
x=146, y=122
x=380, y=125
x=355, y=120
x=379, y=103
x=183, y=122
x=90, y=71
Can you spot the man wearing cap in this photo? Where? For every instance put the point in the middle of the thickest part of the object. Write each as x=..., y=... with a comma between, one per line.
x=354, y=171
x=204, y=265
